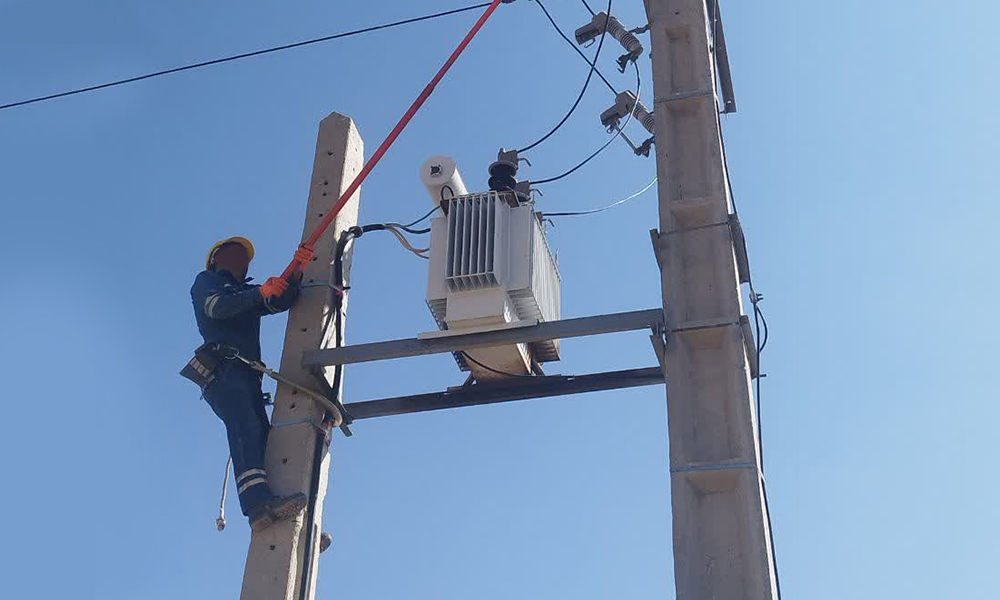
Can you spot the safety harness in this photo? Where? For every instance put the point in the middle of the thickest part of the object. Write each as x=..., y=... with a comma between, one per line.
x=208, y=357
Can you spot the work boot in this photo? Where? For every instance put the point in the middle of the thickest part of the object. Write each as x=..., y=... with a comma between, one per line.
x=276, y=509
x=325, y=539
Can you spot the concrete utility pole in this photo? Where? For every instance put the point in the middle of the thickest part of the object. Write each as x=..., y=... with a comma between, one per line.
x=278, y=555
x=721, y=541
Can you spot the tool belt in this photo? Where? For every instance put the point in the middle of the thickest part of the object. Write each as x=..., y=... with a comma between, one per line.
x=202, y=368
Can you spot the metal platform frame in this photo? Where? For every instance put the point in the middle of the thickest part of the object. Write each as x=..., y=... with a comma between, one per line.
x=520, y=388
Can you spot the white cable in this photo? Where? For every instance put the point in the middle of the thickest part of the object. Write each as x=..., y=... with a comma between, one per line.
x=603, y=208
x=220, y=522
x=421, y=252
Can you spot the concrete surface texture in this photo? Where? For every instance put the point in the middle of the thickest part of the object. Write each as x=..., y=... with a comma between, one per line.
x=278, y=554
x=721, y=541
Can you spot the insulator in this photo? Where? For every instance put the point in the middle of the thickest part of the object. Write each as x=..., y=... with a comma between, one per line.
x=627, y=39
x=625, y=102
x=602, y=22
x=503, y=172
x=645, y=117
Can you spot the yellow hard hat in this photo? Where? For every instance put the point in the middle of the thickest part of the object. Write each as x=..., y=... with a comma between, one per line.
x=242, y=241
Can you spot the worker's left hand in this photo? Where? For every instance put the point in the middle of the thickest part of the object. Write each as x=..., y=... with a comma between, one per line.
x=304, y=256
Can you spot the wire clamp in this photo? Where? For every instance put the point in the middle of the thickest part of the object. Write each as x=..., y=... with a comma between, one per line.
x=337, y=289
x=318, y=426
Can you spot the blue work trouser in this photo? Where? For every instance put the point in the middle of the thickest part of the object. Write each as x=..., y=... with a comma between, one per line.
x=236, y=397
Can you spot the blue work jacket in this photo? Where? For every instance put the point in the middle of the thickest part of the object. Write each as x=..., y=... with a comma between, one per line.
x=228, y=311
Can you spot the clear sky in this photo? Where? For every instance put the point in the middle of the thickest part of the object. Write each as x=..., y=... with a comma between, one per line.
x=861, y=159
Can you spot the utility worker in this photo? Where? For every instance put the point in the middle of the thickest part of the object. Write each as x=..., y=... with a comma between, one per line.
x=228, y=310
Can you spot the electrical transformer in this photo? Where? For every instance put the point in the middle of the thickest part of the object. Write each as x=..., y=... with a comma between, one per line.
x=490, y=268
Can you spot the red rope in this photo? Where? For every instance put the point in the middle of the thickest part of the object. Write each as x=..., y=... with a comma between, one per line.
x=387, y=143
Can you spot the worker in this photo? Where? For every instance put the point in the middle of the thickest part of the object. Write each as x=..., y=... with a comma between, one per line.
x=228, y=309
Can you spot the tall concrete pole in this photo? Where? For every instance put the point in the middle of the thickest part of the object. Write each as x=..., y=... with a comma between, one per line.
x=721, y=540
x=278, y=554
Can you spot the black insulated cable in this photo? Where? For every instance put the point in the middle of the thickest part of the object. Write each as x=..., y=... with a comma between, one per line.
x=217, y=61
x=586, y=84
x=638, y=89
x=573, y=45
x=408, y=226
x=491, y=369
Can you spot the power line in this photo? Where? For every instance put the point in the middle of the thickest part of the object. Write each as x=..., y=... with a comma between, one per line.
x=577, y=50
x=590, y=75
x=638, y=89
x=590, y=9
x=603, y=208
x=217, y=61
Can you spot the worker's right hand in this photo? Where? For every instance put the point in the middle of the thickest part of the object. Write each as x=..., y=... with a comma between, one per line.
x=273, y=287
x=304, y=256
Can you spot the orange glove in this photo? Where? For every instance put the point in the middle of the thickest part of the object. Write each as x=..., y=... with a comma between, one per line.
x=273, y=287
x=304, y=255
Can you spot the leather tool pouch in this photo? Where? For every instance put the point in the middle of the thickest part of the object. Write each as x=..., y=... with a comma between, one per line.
x=201, y=369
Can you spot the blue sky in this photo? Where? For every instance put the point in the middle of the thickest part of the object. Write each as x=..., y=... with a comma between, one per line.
x=862, y=162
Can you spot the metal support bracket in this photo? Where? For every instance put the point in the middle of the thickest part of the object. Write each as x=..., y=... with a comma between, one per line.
x=725, y=466
x=680, y=97
x=492, y=393
x=739, y=248
x=654, y=237
x=551, y=330
x=750, y=345
x=721, y=58
x=659, y=347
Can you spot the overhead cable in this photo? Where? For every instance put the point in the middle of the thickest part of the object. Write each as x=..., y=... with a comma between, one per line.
x=234, y=57
x=576, y=49
x=390, y=139
x=586, y=84
x=638, y=89
x=603, y=208
x=590, y=9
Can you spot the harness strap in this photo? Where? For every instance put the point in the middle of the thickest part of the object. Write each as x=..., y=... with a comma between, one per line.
x=317, y=397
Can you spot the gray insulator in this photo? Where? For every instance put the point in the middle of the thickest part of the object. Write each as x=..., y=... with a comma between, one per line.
x=644, y=116
x=628, y=40
x=624, y=103
x=602, y=21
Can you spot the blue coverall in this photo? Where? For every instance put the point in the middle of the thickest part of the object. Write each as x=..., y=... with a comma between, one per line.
x=228, y=312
